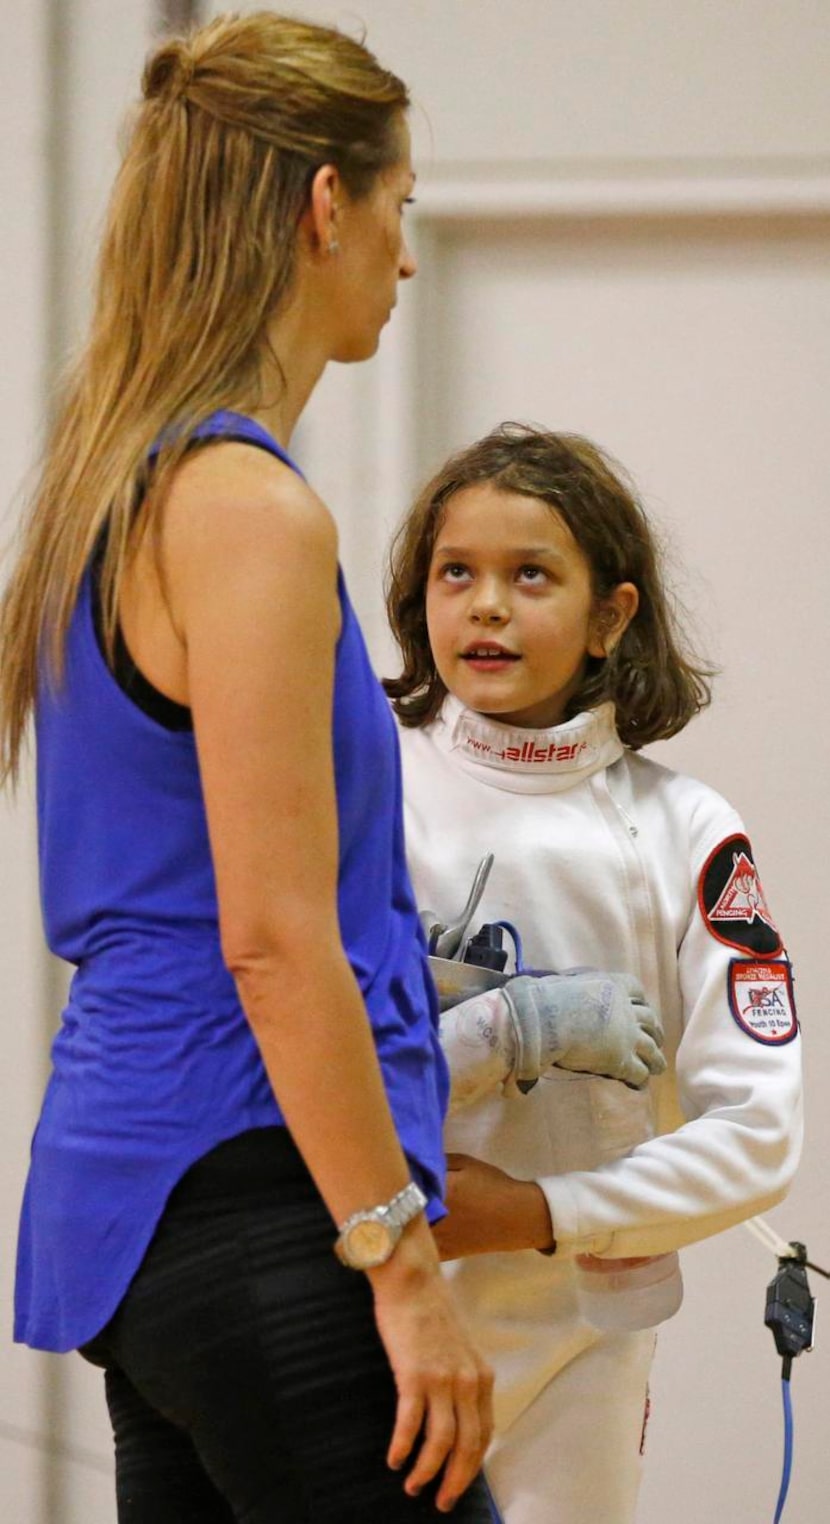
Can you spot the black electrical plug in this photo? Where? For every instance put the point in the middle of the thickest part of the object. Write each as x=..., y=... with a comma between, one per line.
x=486, y=949
x=790, y=1309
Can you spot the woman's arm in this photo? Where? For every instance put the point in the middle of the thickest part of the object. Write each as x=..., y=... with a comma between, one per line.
x=250, y=559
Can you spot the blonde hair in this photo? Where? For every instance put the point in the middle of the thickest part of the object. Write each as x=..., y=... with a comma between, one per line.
x=655, y=682
x=198, y=253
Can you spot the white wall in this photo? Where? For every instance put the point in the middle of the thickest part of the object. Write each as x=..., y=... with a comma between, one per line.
x=24, y=1379
x=609, y=324
x=622, y=229
x=565, y=100
x=67, y=68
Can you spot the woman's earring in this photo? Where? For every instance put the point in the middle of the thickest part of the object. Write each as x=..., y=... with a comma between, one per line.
x=333, y=245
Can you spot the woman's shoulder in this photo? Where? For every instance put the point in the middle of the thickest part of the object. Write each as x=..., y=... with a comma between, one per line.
x=247, y=490
x=246, y=542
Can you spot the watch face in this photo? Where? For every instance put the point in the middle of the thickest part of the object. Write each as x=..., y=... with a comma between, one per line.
x=370, y=1243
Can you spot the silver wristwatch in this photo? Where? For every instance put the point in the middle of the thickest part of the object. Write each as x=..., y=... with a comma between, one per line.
x=368, y=1238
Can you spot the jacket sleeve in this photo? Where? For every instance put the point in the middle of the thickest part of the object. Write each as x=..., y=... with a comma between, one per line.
x=738, y=1078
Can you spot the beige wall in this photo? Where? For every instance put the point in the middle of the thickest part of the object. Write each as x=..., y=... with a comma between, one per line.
x=23, y=299
x=541, y=113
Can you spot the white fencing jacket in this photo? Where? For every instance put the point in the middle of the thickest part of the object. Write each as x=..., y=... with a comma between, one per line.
x=605, y=859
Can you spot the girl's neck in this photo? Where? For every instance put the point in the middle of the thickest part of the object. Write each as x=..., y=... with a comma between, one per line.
x=456, y=706
x=528, y=761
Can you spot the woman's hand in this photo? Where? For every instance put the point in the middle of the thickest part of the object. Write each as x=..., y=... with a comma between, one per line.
x=489, y=1211
x=444, y=1387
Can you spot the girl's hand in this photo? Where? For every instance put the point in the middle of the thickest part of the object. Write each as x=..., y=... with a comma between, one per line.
x=590, y=1022
x=489, y=1211
x=444, y=1387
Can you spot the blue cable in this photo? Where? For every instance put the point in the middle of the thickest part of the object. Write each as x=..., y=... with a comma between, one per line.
x=788, y=1448
x=513, y=933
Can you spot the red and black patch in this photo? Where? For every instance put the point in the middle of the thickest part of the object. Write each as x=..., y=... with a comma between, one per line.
x=761, y=1000
x=732, y=901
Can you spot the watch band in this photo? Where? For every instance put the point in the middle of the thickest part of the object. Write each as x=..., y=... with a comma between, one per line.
x=388, y=1221
x=406, y=1205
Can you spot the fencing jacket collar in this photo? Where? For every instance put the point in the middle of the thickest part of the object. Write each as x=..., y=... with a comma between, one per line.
x=528, y=761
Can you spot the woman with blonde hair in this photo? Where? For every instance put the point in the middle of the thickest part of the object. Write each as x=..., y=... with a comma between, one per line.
x=248, y=1054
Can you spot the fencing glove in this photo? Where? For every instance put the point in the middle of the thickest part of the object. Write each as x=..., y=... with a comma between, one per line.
x=588, y=1022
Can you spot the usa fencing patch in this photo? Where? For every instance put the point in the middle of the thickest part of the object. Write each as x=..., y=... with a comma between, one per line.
x=761, y=1000
x=732, y=901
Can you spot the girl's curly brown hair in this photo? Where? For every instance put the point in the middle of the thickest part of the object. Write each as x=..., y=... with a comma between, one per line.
x=655, y=682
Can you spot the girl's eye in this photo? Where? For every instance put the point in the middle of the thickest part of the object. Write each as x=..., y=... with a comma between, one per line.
x=532, y=574
x=454, y=571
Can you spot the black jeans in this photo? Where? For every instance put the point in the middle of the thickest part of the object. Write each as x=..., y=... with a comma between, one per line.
x=245, y=1378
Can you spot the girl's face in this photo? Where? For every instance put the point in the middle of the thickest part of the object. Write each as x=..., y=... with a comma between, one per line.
x=511, y=613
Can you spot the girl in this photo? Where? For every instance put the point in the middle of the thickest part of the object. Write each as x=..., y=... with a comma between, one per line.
x=248, y=1056
x=539, y=656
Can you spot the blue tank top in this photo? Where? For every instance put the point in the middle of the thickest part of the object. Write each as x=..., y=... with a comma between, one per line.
x=154, y=1062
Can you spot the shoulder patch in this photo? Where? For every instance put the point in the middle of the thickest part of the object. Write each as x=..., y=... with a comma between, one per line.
x=732, y=901
x=761, y=1000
